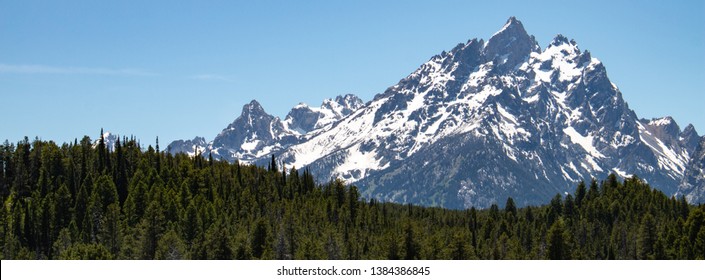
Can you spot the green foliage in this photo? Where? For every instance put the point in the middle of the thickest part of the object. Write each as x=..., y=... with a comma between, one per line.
x=171, y=247
x=557, y=239
x=78, y=201
x=82, y=251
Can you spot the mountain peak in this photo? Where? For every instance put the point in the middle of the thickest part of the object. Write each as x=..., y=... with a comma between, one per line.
x=560, y=40
x=302, y=118
x=668, y=120
x=690, y=129
x=473, y=126
x=252, y=108
x=512, y=24
x=349, y=103
x=511, y=44
x=347, y=98
x=109, y=140
x=689, y=137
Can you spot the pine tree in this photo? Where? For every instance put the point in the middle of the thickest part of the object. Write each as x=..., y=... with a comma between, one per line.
x=102, y=158
x=411, y=248
x=153, y=223
x=259, y=239
x=510, y=208
x=646, y=239
x=273, y=164
x=558, y=248
x=555, y=209
x=171, y=247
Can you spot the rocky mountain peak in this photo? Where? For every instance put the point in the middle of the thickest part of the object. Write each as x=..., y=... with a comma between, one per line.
x=510, y=45
x=473, y=126
x=561, y=40
x=253, y=108
x=664, y=127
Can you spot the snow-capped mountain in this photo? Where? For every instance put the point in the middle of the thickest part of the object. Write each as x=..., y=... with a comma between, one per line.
x=473, y=126
x=190, y=147
x=252, y=135
x=255, y=134
x=304, y=119
x=109, y=139
x=488, y=120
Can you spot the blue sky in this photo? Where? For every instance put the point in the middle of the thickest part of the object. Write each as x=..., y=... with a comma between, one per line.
x=178, y=69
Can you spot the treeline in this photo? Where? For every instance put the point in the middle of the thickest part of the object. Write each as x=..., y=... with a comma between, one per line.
x=86, y=201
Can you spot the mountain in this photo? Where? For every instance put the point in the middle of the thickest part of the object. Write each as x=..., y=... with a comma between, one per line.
x=190, y=147
x=109, y=139
x=693, y=184
x=304, y=119
x=255, y=134
x=252, y=135
x=475, y=125
x=488, y=120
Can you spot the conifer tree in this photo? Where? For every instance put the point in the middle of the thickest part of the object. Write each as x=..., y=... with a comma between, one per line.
x=646, y=239
x=558, y=248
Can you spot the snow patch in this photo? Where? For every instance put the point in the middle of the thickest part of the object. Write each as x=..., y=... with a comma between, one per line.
x=357, y=164
x=250, y=145
x=583, y=141
x=620, y=173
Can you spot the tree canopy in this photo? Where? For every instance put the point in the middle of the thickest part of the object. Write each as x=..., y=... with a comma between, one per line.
x=86, y=201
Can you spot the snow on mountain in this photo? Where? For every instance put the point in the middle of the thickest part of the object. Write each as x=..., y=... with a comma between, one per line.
x=693, y=184
x=256, y=135
x=109, y=139
x=485, y=121
x=475, y=125
x=252, y=135
x=190, y=147
x=303, y=119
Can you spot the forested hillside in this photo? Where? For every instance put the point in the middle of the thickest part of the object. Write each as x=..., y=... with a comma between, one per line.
x=85, y=201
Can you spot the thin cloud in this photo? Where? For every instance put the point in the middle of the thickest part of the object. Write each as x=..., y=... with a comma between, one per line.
x=211, y=77
x=46, y=69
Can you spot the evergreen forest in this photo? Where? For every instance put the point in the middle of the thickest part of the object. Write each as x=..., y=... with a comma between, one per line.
x=84, y=200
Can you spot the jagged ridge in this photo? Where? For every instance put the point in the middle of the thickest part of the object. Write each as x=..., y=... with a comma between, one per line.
x=474, y=125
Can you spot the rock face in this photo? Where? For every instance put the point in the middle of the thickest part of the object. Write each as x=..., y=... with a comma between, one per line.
x=304, y=119
x=255, y=135
x=190, y=147
x=473, y=126
x=693, y=183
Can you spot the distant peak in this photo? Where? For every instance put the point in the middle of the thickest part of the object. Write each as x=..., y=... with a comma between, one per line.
x=347, y=99
x=560, y=40
x=512, y=43
x=254, y=103
x=661, y=121
x=252, y=108
x=348, y=96
x=512, y=21
x=513, y=25
x=690, y=129
x=301, y=105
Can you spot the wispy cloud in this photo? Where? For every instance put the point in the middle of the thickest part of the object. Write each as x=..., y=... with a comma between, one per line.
x=46, y=69
x=211, y=77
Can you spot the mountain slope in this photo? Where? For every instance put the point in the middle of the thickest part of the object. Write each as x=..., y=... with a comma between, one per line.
x=693, y=184
x=255, y=134
x=473, y=126
x=190, y=147
x=304, y=119
x=489, y=120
